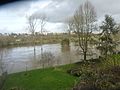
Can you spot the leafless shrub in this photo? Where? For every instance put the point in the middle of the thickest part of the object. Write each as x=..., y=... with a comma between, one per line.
x=47, y=58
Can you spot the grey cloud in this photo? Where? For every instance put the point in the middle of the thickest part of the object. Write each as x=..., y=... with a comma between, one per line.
x=103, y=7
x=59, y=10
x=20, y=8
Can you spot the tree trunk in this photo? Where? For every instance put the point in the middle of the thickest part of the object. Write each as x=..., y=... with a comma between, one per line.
x=85, y=56
x=34, y=42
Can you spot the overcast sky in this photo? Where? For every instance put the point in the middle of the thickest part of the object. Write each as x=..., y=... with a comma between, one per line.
x=13, y=15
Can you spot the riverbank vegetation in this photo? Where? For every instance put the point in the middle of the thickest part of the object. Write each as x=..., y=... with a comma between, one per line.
x=98, y=74
x=26, y=39
x=94, y=74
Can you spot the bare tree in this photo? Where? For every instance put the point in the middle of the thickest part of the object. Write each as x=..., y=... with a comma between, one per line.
x=83, y=23
x=42, y=20
x=47, y=58
x=34, y=21
x=69, y=26
x=32, y=25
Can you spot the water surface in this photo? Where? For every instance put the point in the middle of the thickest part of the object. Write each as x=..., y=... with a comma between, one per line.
x=25, y=58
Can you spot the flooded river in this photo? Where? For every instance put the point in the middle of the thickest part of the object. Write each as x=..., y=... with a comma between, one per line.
x=19, y=59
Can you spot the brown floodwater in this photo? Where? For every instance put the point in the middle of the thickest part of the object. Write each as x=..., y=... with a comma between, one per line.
x=19, y=59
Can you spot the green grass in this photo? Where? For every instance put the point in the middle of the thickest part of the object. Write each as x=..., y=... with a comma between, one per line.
x=55, y=78
x=42, y=79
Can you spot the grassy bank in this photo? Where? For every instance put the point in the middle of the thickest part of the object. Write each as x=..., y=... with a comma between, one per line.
x=43, y=79
x=97, y=74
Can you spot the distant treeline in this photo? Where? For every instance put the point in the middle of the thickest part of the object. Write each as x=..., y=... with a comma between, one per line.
x=27, y=39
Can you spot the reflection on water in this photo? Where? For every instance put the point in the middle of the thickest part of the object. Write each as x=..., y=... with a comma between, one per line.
x=3, y=65
x=65, y=48
x=25, y=58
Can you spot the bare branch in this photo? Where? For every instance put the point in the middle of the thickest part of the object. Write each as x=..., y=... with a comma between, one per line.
x=83, y=23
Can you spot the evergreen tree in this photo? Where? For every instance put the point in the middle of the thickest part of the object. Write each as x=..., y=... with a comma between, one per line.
x=107, y=44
